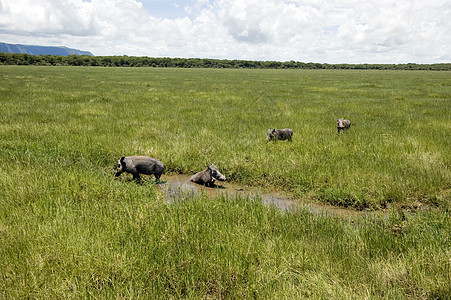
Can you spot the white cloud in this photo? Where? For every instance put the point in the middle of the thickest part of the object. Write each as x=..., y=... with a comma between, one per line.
x=354, y=31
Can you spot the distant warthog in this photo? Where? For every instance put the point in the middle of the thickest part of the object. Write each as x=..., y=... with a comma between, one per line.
x=208, y=176
x=279, y=134
x=140, y=165
x=343, y=124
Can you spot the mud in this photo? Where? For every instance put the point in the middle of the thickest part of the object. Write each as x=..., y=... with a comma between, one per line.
x=179, y=187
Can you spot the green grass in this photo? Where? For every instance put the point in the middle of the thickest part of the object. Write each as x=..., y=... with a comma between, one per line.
x=396, y=151
x=69, y=230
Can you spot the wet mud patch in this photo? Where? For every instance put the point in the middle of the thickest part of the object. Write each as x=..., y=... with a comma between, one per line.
x=178, y=187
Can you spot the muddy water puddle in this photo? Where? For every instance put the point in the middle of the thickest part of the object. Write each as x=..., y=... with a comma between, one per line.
x=179, y=187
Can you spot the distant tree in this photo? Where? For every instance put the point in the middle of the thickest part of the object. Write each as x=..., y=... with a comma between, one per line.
x=165, y=62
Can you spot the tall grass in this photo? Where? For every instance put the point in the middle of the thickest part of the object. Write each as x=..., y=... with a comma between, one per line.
x=397, y=149
x=69, y=230
x=75, y=233
x=90, y=237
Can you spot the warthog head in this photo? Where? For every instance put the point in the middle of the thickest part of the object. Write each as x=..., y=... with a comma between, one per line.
x=215, y=173
x=343, y=124
x=119, y=169
x=270, y=134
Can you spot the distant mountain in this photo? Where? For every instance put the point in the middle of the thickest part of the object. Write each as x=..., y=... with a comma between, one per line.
x=41, y=50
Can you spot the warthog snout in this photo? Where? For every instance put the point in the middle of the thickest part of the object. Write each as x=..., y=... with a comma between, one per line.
x=214, y=171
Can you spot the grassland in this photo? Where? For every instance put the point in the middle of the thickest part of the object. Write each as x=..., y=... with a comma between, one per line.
x=68, y=230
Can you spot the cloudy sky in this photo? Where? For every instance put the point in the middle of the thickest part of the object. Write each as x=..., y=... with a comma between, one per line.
x=323, y=31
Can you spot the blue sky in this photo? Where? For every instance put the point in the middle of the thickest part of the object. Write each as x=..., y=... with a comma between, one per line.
x=323, y=31
x=166, y=9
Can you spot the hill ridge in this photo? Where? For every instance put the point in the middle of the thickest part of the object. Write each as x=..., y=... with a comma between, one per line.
x=41, y=50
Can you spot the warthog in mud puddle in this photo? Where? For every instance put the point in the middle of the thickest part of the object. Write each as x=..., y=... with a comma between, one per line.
x=208, y=176
x=279, y=134
x=343, y=124
x=140, y=165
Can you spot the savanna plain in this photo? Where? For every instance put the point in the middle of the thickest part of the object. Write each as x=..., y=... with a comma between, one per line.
x=69, y=229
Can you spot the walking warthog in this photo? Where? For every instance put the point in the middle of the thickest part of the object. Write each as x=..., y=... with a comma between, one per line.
x=343, y=124
x=140, y=165
x=279, y=134
x=208, y=176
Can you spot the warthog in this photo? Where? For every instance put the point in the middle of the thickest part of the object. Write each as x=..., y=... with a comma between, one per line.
x=343, y=124
x=140, y=165
x=208, y=176
x=279, y=134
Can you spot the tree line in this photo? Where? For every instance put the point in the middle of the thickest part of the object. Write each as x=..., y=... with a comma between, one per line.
x=166, y=62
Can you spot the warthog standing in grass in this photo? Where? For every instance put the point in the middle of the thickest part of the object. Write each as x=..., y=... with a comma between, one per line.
x=343, y=124
x=279, y=134
x=140, y=165
x=208, y=176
